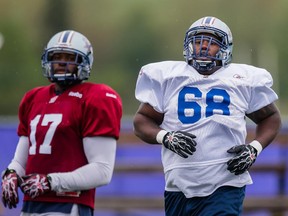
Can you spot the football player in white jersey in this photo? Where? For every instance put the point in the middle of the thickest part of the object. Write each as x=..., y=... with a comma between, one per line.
x=197, y=109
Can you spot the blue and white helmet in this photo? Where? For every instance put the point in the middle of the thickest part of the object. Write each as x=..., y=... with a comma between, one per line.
x=214, y=26
x=68, y=42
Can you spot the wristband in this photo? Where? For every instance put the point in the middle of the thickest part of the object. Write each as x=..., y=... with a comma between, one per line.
x=257, y=145
x=49, y=179
x=7, y=171
x=160, y=135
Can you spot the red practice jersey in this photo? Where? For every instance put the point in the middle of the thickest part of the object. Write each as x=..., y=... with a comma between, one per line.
x=57, y=124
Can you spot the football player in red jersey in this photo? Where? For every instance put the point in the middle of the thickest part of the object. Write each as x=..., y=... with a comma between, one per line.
x=67, y=135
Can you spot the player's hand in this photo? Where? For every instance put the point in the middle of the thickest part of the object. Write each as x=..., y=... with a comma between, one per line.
x=35, y=185
x=10, y=182
x=243, y=160
x=180, y=142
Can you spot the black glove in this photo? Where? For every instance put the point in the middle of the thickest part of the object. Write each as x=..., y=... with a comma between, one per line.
x=10, y=182
x=35, y=185
x=243, y=160
x=180, y=142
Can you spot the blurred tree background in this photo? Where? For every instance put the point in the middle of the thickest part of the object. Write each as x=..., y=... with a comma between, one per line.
x=127, y=34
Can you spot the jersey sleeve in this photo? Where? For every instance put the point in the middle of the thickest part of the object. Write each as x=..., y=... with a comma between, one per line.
x=22, y=126
x=262, y=93
x=149, y=87
x=24, y=107
x=102, y=113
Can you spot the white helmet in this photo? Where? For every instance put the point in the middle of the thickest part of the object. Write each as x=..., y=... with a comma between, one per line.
x=208, y=25
x=68, y=42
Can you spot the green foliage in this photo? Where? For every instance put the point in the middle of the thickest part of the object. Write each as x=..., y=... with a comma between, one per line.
x=130, y=33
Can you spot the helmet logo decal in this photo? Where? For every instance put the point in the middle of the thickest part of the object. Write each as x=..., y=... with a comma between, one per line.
x=88, y=46
x=208, y=21
x=53, y=99
x=66, y=38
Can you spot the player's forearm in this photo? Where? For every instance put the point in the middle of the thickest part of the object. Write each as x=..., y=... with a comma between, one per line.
x=15, y=165
x=267, y=130
x=90, y=176
x=100, y=153
x=145, y=128
x=268, y=122
x=19, y=161
x=147, y=123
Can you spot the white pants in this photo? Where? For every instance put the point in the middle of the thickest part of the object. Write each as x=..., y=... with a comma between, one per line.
x=74, y=212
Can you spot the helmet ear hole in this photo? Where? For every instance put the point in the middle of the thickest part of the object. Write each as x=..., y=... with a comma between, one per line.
x=79, y=60
x=50, y=56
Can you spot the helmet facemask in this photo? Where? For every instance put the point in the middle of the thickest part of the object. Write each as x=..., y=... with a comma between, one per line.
x=69, y=42
x=202, y=60
x=212, y=33
x=80, y=72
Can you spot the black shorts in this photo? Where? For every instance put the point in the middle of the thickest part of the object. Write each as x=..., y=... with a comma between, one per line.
x=44, y=207
x=224, y=201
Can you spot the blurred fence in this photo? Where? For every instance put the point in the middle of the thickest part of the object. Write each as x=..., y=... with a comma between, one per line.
x=137, y=186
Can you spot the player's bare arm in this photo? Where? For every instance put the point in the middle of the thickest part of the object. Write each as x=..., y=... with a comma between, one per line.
x=146, y=123
x=268, y=122
x=146, y=127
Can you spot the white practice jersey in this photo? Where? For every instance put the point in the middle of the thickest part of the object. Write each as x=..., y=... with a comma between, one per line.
x=211, y=107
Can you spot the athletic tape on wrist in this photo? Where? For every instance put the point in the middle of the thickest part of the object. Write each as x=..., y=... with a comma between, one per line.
x=160, y=135
x=257, y=145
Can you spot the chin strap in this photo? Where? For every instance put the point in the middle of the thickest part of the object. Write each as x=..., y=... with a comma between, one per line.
x=203, y=65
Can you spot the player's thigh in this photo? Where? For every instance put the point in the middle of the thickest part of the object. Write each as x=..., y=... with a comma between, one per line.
x=224, y=201
x=45, y=214
x=175, y=203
